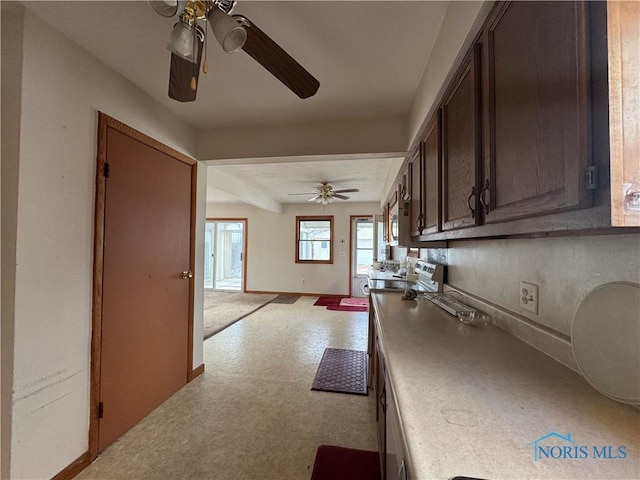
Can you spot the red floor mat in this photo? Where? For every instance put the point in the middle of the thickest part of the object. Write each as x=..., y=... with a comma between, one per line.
x=339, y=463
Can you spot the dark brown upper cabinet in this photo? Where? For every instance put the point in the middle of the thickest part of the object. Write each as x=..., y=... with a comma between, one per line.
x=536, y=87
x=461, y=147
x=431, y=159
x=415, y=171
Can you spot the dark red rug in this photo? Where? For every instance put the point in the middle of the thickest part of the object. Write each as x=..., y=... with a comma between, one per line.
x=343, y=304
x=325, y=301
x=339, y=463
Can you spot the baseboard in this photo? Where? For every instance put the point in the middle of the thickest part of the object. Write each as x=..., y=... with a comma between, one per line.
x=74, y=468
x=196, y=372
x=302, y=294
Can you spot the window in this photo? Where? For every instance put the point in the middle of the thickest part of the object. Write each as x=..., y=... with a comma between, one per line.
x=314, y=239
x=363, y=242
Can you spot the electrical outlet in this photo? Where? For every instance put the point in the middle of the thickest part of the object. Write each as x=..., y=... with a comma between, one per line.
x=529, y=297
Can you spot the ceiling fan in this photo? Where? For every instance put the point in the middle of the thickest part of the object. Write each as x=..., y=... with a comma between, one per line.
x=234, y=32
x=326, y=194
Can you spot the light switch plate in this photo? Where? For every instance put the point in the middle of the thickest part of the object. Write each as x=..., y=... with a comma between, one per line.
x=529, y=297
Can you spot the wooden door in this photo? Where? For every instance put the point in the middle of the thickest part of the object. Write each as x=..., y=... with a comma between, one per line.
x=431, y=178
x=416, y=215
x=145, y=311
x=461, y=147
x=537, y=109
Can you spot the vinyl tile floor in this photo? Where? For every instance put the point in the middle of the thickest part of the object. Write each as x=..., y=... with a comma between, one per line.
x=252, y=414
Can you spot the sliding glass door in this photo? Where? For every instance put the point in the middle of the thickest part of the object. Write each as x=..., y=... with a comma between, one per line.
x=224, y=255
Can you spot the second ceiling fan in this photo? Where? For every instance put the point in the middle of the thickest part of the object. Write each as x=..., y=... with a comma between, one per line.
x=233, y=32
x=326, y=194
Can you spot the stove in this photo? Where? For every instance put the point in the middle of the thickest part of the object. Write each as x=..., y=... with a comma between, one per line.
x=428, y=278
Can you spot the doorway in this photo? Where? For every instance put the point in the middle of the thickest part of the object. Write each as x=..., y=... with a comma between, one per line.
x=224, y=253
x=363, y=248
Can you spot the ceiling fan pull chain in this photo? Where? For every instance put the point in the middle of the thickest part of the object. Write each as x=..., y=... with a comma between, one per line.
x=205, y=66
x=193, y=85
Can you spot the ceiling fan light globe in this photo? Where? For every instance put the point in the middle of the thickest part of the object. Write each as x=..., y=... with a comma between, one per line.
x=318, y=200
x=182, y=41
x=166, y=8
x=230, y=34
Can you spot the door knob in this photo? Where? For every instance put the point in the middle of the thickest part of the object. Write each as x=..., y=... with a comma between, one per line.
x=187, y=274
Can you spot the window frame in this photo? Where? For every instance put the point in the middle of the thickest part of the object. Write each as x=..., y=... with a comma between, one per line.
x=314, y=218
x=355, y=249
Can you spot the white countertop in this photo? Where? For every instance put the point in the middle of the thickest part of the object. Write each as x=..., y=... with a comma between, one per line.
x=472, y=399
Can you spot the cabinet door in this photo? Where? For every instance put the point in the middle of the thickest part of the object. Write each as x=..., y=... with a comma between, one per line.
x=381, y=406
x=461, y=147
x=431, y=178
x=537, y=98
x=395, y=464
x=385, y=224
x=416, y=215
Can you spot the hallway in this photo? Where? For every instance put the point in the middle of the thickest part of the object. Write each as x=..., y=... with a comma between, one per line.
x=252, y=415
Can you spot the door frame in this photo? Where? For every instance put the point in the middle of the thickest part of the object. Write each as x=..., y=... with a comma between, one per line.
x=245, y=235
x=372, y=216
x=105, y=122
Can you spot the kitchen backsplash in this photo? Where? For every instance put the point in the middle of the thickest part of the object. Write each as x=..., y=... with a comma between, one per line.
x=488, y=274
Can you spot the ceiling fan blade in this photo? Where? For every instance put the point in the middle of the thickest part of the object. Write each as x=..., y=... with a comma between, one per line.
x=180, y=74
x=341, y=197
x=348, y=190
x=281, y=65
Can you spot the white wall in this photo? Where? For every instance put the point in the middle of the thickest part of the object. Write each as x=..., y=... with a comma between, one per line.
x=11, y=97
x=332, y=137
x=271, y=248
x=62, y=89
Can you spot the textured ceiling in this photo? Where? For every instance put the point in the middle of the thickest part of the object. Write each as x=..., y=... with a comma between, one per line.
x=281, y=179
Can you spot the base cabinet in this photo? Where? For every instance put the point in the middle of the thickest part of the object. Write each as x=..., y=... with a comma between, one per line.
x=393, y=463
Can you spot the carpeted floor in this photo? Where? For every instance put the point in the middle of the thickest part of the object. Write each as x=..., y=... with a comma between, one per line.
x=222, y=309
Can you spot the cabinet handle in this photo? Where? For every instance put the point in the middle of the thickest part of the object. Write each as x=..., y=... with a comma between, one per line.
x=472, y=194
x=419, y=224
x=383, y=393
x=402, y=471
x=485, y=205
